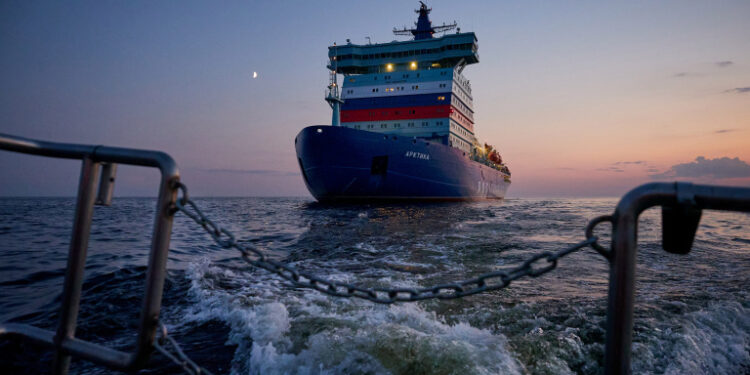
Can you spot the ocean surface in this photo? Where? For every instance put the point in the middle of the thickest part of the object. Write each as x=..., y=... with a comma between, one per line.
x=692, y=311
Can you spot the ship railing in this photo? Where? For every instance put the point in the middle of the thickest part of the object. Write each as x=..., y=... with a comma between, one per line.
x=93, y=160
x=681, y=204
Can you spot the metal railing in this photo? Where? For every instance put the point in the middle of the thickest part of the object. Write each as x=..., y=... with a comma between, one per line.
x=93, y=158
x=681, y=203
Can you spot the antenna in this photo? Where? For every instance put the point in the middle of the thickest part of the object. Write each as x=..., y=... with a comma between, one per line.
x=444, y=27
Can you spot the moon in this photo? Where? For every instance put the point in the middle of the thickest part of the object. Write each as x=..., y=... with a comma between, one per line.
x=255, y=74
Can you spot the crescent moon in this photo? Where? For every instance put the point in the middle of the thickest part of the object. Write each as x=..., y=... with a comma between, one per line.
x=255, y=74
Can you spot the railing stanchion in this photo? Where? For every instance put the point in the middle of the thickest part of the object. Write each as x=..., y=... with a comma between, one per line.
x=79, y=242
x=157, y=269
x=621, y=294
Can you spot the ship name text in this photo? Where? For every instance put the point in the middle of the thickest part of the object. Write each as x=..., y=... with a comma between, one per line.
x=417, y=155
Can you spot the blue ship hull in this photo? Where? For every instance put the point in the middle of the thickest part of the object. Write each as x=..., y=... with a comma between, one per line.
x=340, y=164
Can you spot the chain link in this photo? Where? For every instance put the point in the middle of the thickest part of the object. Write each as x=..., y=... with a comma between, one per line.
x=535, y=266
x=590, y=233
x=169, y=347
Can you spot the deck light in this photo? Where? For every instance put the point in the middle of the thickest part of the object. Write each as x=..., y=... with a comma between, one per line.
x=413, y=65
x=389, y=67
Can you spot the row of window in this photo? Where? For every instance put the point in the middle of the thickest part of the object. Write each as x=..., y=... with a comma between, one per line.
x=463, y=82
x=401, y=101
x=460, y=130
x=385, y=55
x=401, y=88
x=463, y=96
x=459, y=144
x=396, y=88
x=460, y=105
x=389, y=77
x=458, y=93
x=397, y=125
x=460, y=118
x=395, y=112
x=387, y=89
x=405, y=101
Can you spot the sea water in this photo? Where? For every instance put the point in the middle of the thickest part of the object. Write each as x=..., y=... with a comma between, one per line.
x=692, y=312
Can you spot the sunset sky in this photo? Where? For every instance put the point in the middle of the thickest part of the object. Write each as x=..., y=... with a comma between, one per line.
x=583, y=99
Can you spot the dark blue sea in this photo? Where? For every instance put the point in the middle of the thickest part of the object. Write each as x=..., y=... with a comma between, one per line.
x=692, y=311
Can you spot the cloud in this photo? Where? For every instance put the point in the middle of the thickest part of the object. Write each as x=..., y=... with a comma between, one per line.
x=611, y=169
x=685, y=74
x=264, y=172
x=714, y=168
x=721, y=131
x=724, y=64
x=622, y=166
x=739, y=90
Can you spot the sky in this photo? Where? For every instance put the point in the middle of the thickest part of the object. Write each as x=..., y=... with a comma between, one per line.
x=582, y=98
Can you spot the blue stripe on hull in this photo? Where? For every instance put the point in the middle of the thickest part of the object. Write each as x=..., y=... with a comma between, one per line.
x=397, y=101
x=343, y=164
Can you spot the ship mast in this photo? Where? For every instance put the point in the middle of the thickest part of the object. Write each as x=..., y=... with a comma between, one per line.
x=424, y=28
x=332, y=96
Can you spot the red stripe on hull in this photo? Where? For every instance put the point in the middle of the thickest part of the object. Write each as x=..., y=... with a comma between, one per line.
x=401, y=113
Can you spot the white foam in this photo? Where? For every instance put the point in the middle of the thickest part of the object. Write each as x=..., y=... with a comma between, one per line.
x=304, y=332
x=714, y=340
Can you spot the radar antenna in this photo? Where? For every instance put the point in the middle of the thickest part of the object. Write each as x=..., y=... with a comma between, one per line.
x=424, y=28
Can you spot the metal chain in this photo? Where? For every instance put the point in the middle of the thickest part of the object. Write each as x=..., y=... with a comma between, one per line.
x=169, y=347
x=535, y=266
